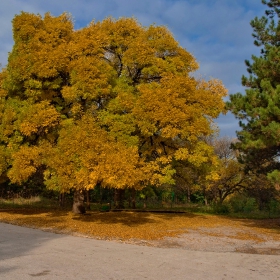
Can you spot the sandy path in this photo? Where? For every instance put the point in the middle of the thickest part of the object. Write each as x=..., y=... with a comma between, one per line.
x=223, y=239
x=30, y=253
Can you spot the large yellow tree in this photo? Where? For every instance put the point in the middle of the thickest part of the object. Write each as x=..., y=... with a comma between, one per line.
x=113, y=103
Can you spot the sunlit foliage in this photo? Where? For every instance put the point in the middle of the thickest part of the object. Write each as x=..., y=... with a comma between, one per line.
x=113, y=103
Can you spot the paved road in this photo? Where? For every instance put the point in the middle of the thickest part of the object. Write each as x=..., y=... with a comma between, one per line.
x=33, y=254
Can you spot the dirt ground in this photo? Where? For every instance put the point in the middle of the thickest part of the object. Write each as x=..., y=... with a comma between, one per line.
x=221, y=239
x=27, y=253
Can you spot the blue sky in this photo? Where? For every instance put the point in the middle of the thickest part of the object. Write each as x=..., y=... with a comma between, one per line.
x=216, y=32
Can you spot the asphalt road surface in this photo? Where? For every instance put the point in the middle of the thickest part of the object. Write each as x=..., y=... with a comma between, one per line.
x=34, y=254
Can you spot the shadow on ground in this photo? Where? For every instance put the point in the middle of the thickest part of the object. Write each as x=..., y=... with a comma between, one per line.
x=16, y=241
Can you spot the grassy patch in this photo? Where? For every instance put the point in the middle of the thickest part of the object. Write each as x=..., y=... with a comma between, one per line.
x=33, y=202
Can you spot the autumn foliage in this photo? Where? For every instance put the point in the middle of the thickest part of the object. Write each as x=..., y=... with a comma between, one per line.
x=114, y=103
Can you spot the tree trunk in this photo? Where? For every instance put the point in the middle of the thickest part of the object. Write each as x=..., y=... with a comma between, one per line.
x=145, y=203
x=205, y=200
x=88, y=200
x=61, y=199
x=101, y=196
x=78, y=203
x=118, y=198
x=133, y=198
x=205, y=197
x=129, y=200
x=220, y=196
x=121, y=204
x=188, y=194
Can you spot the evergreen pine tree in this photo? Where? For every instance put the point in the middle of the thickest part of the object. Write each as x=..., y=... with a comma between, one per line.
x=258, y=110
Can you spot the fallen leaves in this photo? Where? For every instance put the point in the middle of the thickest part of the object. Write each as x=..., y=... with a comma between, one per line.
x=138, y=225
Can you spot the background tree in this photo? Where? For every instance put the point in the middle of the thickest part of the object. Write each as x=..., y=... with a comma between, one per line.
x=230, y=177
x=258, y=110
x=193, y=175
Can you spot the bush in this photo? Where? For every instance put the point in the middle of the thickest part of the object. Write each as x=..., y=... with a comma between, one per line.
x=224, y=208
x=250, y=205
x=237, y=203
x=274, y=206
x=241, y=203
x=197, y=197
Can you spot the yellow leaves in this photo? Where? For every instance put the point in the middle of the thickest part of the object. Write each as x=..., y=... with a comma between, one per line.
x=3, y=92
x=165, y=176
x=115, y=99
x=121, y=32
x=8, y=116
x=151, y=108
x=40, y=45
x=86, y=155
x=89, y=78
x=33, y=84
x=201, y=153
x=77, y=110
x=3, y=160
x=38, y=118
x=24, y=25
x=198, y=161
x=89, y=41
x=181, y=154
x=134, y=227
x=159, y=171
x=139, y=53
x=120, y=127
x=25, y=163
x=213, y=176
x=215, y=91
x=69, y=94
x=159, y=37
x=171, y=57
x=172, y=108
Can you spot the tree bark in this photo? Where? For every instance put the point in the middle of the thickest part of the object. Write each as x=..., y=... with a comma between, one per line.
x=88, y=200
x=133, y=198
x=188, y=194
x=205, y=197
x=118, y=198
x=61, y=199
x=205, y=200
x=145, y=203
x=78, y=203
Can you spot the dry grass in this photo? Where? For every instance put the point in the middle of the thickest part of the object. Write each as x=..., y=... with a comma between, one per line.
x=21, y=201
x=135, y=225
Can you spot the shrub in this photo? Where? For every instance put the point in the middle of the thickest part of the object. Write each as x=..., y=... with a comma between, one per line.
x=274, y=206
x=224, y=208
x=250, y=205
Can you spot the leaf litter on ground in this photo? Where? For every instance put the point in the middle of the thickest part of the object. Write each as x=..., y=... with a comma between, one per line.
x=145, y=226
